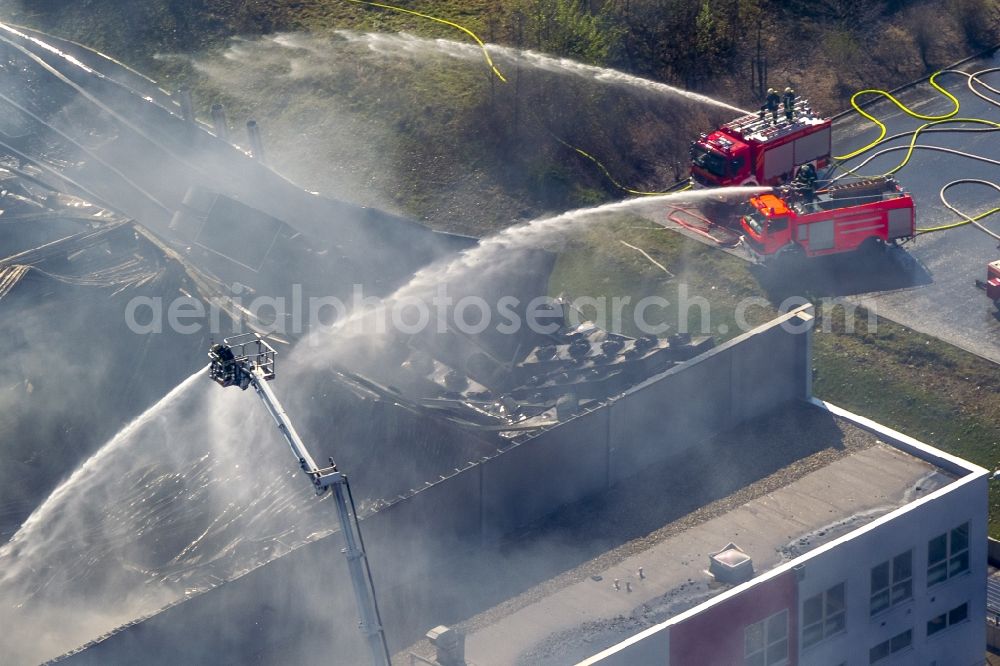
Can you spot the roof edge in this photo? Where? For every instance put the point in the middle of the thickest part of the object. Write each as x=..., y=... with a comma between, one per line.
x=967, y=472
x=916, y=448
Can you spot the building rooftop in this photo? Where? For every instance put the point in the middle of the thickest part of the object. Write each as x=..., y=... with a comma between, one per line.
x=850, y=479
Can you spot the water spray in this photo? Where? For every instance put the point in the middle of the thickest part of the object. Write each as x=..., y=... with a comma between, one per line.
x=536, y=233
x=406, y=44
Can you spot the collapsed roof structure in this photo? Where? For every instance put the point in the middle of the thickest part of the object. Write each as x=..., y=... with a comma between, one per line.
x=113, y=193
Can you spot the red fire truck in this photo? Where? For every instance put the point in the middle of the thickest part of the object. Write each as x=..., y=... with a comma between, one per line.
x=756, y=150
x=839, y=218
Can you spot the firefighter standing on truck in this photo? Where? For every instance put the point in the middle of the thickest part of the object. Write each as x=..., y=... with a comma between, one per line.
x=788, y=100
x=771, y=104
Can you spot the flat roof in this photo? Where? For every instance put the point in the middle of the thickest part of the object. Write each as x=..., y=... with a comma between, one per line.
x=849, y=479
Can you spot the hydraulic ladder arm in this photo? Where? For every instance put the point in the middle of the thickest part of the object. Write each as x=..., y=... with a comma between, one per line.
x=248, y=360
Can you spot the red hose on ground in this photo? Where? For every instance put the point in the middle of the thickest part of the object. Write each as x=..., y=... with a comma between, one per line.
x=703, y=226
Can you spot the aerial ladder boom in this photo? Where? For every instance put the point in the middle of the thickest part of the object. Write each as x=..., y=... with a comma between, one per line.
x=248, y=360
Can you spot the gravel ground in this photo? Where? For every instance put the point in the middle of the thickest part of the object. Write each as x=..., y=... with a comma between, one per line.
x=733, y=468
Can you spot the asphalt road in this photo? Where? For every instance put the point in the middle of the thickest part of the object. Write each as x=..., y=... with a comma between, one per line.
x=937, y=294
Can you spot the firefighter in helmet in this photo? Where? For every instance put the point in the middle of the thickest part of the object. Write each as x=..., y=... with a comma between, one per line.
x=771, y=103
x=805, y=180
x=788, y=100
x=225, y=364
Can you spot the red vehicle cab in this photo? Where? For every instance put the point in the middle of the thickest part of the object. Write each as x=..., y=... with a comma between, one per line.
x=840, y=218
x=720, y=159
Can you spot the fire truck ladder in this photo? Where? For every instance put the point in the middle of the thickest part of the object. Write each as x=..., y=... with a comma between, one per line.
x=861, y=188
x=753, y=123
x=248, y=360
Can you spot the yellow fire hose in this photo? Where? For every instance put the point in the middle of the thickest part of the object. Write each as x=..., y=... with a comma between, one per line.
x=611, y=178
x=935, y=121
x=902, y=107
x=486, y=53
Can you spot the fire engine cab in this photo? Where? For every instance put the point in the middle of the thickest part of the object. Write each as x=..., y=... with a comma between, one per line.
x=839, y=218
x=756, y=150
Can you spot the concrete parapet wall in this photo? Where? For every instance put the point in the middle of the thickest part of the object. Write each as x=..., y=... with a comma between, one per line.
x=671, y=413
x=735, y=382
x=560, y=466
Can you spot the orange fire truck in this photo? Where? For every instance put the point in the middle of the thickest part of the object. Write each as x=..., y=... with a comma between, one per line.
x=756, y=150
x=838, y=218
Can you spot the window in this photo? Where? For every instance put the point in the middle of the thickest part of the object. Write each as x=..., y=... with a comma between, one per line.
x=823, y=615
x=777, y=224
x=766, y=642
x=897, y=643
x=948, y=555
x=958, y=614
x=949, y=619
x=892, y=582
x=709, y=160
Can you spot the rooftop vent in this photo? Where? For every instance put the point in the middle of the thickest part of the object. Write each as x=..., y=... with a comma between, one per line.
x=730, y=565
x=450, y=646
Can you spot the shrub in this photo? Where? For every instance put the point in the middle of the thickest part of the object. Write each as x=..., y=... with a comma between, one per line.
x=978, y=20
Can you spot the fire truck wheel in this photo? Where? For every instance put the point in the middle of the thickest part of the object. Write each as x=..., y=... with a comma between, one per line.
x=792, y=256
x=872, y=248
